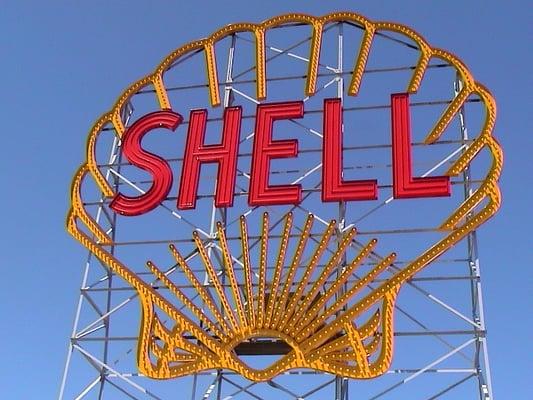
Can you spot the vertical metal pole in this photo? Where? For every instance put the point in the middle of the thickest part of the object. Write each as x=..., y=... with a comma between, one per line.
x=125, y=116
x=114, y=154
x=341, y=384
x=484, y=376
x=194, y=384
x=219, y=384
x=106, y=320
x=228, y=100
x=74, y=329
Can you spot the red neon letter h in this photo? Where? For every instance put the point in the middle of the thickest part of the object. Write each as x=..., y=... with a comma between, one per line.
x=197, y=153
x=334, y=188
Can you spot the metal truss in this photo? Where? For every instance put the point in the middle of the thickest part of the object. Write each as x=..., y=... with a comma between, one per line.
x=101, y=357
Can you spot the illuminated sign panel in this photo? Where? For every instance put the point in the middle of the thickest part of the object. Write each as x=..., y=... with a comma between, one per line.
x=196, y=153
x=285, y=273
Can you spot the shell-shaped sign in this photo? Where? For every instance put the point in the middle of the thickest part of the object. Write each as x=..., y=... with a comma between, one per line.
x=275, y=181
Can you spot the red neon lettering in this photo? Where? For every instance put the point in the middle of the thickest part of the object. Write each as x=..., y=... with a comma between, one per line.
x=404, y=185
x=156, y=166
x=265, y=149
x=197, y=153
x=334, y=188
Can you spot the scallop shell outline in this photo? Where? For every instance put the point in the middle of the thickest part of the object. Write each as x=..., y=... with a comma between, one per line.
x=457, y=223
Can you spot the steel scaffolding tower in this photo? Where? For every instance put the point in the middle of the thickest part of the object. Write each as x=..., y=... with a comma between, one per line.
x=441, y=347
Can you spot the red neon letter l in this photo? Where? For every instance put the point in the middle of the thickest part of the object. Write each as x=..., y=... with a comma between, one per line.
x=334, y=188
x=404, y=185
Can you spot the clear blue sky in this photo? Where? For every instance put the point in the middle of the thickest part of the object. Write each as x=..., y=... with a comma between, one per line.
x=64, y=63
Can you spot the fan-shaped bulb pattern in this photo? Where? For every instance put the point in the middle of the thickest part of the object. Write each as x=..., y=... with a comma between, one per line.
x=322, y=333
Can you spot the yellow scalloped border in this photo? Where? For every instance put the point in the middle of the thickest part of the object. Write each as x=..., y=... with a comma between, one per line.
x=457, y=223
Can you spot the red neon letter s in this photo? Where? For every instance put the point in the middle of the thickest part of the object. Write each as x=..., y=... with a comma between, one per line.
x=404, y=185
x=147, y=161
x=265, y=149
x=334, y=188
x=224, y=154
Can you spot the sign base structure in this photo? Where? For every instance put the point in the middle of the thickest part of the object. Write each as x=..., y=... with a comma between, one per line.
x=287, y=210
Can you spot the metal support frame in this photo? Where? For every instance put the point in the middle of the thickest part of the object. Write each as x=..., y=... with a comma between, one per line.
x=341, y=385
x=482, y=356
x=108, y=372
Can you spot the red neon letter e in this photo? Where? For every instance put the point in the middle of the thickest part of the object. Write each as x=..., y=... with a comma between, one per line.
x=265, y=149
x=155, y=165
x=334, y=188
x=197, y=153
x=404, y=185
